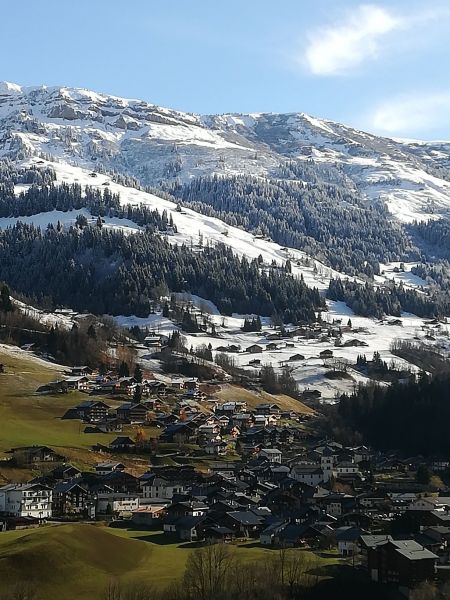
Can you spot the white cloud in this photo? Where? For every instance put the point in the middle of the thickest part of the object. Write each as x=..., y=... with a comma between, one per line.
x=412, y=113
x=336, y=49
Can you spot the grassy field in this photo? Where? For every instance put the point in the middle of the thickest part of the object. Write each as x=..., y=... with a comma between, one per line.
x=27, y=418
x=233, y=392
x=77, y=561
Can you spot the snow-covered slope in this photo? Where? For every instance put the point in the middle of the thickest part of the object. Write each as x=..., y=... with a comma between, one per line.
x=157, y=144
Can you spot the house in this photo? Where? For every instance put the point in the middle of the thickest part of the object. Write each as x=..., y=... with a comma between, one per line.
x=53, y=387
x=108, y=467
x=254, y=349
x=33, y=454
x=267, y=409
x=65, y=472
x=159, y=487
x=310, y=474
x=216, y=448
x=69, y=497
x=147, y=514
x=189, y=529
x=132, y=412
x=217, y=533
x=92, y=411
x=272, y=346
x=326, y=354
x=405, y=563
x=26, y=500
x=347, y=539
x=122, y=444
x=177, y=384
x=272, y=454
x=116, y=503
x=243, y=523
x=80, y=371
x=78, y=382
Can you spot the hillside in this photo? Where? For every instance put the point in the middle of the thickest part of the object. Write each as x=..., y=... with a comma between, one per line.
x=31, y=419
x=85, y=558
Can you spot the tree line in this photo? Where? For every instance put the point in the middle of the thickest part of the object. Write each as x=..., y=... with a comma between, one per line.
x=104, y=271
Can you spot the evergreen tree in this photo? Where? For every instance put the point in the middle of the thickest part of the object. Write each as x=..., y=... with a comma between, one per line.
x=124, y=370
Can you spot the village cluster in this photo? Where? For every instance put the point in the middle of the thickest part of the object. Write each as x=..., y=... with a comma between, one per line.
x=222, y=471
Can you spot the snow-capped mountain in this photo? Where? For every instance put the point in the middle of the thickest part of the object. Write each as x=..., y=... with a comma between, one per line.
x=157, y=145
x=83, y=136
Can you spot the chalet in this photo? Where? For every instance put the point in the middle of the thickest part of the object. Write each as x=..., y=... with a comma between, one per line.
x=108, y=467
x=65, y=472
x=179, y=433
x=402, y=562
x=243, y=523
x=214, y=534
x=295, y=357
x=254, y=349
x=92, y=411
x=272, y=346
x=122, y=444
x=347, y=539
x=26, y=500
x=190, y=529
x=125, y=385
x=156, y=387
x=80, y=371
x=132, y=412
x=326, y=354
x=230, y=408
x=53, y=387
x=34, y=454
x=267, y=409
x=78, y=382
x=69, y=497
x=109, y=426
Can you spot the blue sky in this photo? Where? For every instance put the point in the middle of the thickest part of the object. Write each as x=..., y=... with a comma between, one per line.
x=379, y=66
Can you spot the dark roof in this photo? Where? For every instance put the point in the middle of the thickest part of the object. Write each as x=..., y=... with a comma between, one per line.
x=122, y=441
x=245, y=517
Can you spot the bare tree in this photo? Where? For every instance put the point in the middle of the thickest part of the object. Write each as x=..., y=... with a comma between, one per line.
x=208, y=571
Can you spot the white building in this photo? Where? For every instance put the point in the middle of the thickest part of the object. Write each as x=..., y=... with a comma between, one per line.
x=117, y=503
x=310, y=474
x=26, y=500
x=162, y=488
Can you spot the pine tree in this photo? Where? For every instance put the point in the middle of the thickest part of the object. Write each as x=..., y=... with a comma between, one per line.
x=124, y=370
x=138, y=374
x=5, y=300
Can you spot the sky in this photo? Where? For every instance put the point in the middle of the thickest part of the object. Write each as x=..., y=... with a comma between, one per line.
x=378, y=66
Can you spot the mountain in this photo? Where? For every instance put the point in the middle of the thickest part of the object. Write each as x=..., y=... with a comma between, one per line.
x=223, y=209
x=161, y=146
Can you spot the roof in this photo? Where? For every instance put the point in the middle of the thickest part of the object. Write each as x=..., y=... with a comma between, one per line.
x=348, y=534
x=65, y=486
x=123, y=439
x=422, y=554
x=245, y=517
x=91, y=404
